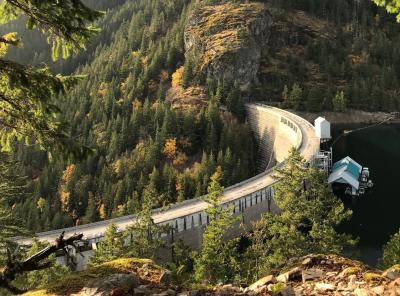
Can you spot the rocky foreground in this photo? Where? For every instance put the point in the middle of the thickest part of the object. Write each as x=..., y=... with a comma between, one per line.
x=310, y=275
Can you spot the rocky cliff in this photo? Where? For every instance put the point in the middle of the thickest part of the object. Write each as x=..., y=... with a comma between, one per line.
x=309, y=275
x=226, y=41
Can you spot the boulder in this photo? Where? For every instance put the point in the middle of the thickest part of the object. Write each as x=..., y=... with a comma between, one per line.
x=227, y=41
x=165, y=277
x=311, y=274
x=116, y=283
x=290, y=275
x=262, y=282
x=393, y=272
x=324, y=287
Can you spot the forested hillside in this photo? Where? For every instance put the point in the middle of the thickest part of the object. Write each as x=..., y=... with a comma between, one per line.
x=141, y=146
x=153, y=116
x=331, y=55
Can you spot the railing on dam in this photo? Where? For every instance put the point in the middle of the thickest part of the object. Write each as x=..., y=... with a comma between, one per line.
x=250, y=197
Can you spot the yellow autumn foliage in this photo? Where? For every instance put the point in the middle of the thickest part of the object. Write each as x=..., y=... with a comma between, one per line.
x=177, y=77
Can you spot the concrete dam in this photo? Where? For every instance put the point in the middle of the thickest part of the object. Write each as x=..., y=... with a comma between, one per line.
x=276, y=130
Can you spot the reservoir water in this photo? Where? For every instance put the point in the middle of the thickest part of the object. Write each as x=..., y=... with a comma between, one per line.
x=376, y=215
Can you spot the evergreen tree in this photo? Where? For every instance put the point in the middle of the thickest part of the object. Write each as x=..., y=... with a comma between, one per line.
x=26, y=93
x=314, y=99
x=391, y=251
x=216, y=261
x=392, y=6
x=285, y=97
x=12, y=188
x=295, y=96
x=309, y=213
x=111, y=247
x=339, y=102
x=145, y=235
x=188, y=72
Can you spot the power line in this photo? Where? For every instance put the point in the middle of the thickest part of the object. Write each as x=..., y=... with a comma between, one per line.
x=346, y=132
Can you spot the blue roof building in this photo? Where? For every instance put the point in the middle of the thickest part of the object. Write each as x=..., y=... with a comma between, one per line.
x=346, y=171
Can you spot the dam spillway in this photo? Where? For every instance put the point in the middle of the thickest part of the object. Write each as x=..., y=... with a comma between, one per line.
x=276, y=131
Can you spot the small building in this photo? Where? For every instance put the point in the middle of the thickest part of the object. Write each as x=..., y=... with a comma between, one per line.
x=348, y=172
x=322, y=129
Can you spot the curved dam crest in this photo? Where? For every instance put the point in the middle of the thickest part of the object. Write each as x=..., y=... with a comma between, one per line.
x=276, y=131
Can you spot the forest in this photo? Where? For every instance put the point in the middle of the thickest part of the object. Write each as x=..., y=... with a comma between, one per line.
x=106, y=140
x=137, y=140
x=119, y=110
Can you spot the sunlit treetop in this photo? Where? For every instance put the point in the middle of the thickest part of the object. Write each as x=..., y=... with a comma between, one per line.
x=65, y=22
x=27, y=108
x=392, y=6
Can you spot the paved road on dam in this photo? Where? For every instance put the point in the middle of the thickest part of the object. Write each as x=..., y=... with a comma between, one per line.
x=308, y=146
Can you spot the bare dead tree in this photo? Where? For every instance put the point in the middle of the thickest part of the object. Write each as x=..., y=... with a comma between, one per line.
x=15, y=267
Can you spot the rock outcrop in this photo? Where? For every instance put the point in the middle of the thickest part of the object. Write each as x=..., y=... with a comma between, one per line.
x=226, y=41
x=306, y=276
x=330, y=275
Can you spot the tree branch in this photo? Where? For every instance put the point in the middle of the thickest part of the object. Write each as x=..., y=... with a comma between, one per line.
x=15, y=267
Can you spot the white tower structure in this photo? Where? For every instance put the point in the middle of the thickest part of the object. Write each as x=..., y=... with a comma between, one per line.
x=323, y=159
x=323, y=129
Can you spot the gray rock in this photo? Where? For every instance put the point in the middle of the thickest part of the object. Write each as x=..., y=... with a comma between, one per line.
x=392, y=273
x=307, y=261
x=325, y=287
x=287, y=291
x=234, y=56
x=290, y=275
x=104, y=286
x=262, y=282
x=165, y=278
x=169, y=292
x=311, y=274
x=189, y=293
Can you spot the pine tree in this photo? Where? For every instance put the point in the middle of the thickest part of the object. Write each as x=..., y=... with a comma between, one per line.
x=188, y=72
x=295, y=96
x=216, y=261
x=111, y=247
x=25, y=92
x=314, y=99
x=12, y=186
x=339, y=102
x=391, y=251
x=285, y=97
x=309, y=214
x=145, y=235
x=392, y=6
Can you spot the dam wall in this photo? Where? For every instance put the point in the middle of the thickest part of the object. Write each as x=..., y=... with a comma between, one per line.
x=276, y=131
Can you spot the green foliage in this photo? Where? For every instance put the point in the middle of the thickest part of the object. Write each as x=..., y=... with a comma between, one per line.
x=118, y=109
x=216, y=261
x=339, y=102
x=27, y=108
x=65, y=22
x=391, y=251
x=306, y=224
x=353, y=48
x=12, y=188
x=144, y=234
x=314, y=99
x=292, y=99
x=392, y=6
x=111, y=247
x=182, y=265
x=40, y=278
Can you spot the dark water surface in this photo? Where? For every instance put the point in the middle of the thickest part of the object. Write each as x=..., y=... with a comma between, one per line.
x=376, y=215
